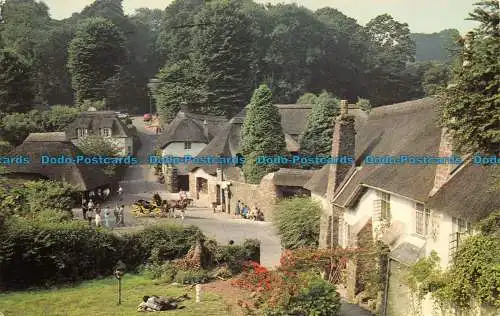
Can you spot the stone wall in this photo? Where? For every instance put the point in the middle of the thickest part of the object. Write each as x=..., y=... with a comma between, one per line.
x=263, y=195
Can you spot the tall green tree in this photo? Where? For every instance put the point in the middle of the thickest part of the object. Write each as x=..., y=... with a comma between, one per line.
x=261, y=134
x=307, y=98
x=95, y=55
x=16, y=86
x=317, y=140
x=179, y=85
x=391, y=48
x=470, y=105
x=435, y=78
x=222, y=51
x=177, y=27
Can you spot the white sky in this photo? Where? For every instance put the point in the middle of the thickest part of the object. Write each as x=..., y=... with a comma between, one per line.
x=423, y=16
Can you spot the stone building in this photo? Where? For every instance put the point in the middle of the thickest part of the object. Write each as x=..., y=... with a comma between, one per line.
x=412, y=208
x=223, y=185
x=101, y=123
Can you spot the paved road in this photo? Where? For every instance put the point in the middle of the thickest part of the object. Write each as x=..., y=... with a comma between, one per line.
x=139, y=182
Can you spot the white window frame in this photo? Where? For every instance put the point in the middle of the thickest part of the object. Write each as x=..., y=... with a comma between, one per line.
x=106, y=132
x=82, y=132
x=422, y=219
x=460, y=225
x=187, y=145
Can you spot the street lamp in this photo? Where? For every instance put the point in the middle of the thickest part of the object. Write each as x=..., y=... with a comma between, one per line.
x=119, y=272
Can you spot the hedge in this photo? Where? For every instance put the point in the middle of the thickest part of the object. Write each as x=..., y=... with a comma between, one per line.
x=40, y=253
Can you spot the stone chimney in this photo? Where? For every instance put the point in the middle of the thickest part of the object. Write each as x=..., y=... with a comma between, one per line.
x=443, y=171
x=205, y=129
x=343, y=145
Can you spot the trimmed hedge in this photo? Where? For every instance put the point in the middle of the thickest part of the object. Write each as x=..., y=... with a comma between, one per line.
x=38, y=253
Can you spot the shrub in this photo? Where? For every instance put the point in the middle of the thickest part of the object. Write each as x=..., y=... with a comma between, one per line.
x=192, y=276
x=297, y=221
x=318, y=297
x=164, y=272
x=47, y=250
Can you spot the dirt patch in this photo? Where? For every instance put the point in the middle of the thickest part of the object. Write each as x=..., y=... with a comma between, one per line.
x=230, y=294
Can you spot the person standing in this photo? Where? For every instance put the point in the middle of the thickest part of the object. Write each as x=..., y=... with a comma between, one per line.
x=106, y=217
x=120, y=192
x=116, y=213
x=98, y=216
x=84, y=208
x=237, y=209
x=90, y=215
x=90, y=205
x=121, y=214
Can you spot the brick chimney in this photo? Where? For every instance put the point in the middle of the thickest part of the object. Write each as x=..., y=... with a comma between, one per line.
x=443, y=171
x=343, y=145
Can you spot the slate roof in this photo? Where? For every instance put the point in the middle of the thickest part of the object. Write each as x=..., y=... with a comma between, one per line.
x=94, y=120
x=86, y=177
x=470, y=193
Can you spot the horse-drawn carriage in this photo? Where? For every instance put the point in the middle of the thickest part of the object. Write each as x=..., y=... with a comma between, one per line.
x=159, y=207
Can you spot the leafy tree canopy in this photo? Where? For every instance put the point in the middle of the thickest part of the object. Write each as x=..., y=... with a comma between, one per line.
x=469, y=106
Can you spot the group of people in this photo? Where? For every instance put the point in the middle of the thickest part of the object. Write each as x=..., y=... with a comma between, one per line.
x=254, y=214
x=91, y=209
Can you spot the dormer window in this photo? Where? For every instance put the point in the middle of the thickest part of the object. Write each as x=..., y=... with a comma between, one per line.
x=187, y=145
x=82, y=132
x=105, y=132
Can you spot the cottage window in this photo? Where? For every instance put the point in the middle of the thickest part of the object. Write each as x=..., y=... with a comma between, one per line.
x=459, y=225
x=81, y=132
x=105, y=132
x=187, y=145
x=422, y=216
x=385, y=205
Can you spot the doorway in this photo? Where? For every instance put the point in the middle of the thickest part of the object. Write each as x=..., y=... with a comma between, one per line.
x=183, y=182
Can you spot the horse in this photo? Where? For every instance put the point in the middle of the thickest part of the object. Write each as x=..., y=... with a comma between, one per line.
x=181, y=205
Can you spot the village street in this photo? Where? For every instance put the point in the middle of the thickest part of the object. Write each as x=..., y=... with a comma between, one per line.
x=139, y=182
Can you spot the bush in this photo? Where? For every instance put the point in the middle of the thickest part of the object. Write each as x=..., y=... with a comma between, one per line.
x=192, y=276
x=45, y=251
x=318, y=297
x=234, y=256
x=164, y=272
x=297, y=221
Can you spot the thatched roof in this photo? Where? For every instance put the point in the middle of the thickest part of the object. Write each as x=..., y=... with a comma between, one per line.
x=408, y=128
x=319, y=181
x=405, y=128
x=86, y=177
x=292, y=177
x=294, y=117
x=93, y=121
x=470, y=194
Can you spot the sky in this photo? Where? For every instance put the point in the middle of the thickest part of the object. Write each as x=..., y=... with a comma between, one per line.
x=422, y=16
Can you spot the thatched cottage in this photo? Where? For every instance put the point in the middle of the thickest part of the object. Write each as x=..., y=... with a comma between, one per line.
x=84, y=177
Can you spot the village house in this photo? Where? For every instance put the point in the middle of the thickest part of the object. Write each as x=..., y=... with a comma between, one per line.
x=221, y=186
x=83, y=177
x=412, y=209
x=104, y=124
x=186, y=135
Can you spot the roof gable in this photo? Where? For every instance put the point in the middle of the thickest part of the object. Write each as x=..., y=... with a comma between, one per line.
x=94, y=121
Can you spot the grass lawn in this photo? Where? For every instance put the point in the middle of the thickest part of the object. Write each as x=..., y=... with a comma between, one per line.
x=99, y=297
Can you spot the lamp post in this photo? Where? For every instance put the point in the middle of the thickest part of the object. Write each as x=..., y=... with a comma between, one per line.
x=152, y=85
x=119, y=275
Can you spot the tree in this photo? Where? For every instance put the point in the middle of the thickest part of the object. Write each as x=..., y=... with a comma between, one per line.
x=390, y=49
x=95, y=55
x=435, y=78
x=307, y=98
x=261, y=134
x=222, y=51
x=179, y=84
x=297, y=222
x=15, y=127
x=16, y=94
x=58, y=117
x=469, y=106
x=317, y=140
x=174, y=39
x=100, y=146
